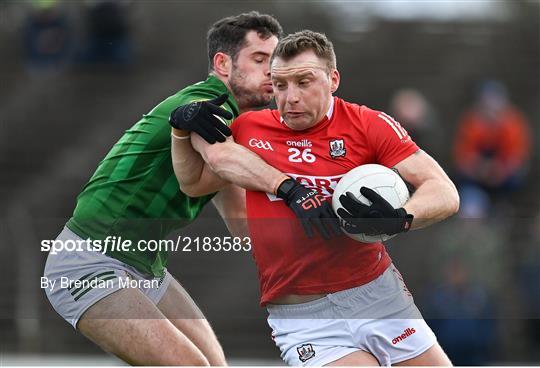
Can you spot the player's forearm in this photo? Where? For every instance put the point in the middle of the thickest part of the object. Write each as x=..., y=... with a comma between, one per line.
x=432, y=202
x=194, y=176
x=247, y=170
x=208, y=183
x=187, y=163
x=231, y=205
x=240, y=166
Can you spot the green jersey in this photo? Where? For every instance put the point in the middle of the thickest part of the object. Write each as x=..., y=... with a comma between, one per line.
x=134, y=193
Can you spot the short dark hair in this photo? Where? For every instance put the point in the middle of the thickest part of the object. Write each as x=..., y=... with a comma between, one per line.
x=228, y=35
x=298, y=42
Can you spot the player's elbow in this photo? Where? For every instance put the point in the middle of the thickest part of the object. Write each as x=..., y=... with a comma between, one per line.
x=453, y=200
x=192, y=190
x=188, y=184
x=455, y=209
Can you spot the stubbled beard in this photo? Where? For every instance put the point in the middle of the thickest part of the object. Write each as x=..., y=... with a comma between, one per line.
x=244, y=97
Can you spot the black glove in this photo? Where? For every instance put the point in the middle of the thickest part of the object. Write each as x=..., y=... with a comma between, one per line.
x=375, y=219
x=199, y=117
x=310, y=207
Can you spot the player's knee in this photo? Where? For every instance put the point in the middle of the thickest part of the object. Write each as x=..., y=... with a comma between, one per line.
x=195, y=358
x=188, y=354
x=180, y=357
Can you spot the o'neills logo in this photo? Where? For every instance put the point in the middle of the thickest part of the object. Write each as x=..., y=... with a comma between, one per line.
x=302, y=143
x=408, y=332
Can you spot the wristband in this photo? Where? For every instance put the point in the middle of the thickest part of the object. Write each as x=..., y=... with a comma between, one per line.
x=182, y=138
x=281, y=180
x=284, y=189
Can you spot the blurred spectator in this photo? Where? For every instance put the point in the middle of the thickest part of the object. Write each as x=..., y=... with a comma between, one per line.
x=46, y=34
x=412, y=110
x=109, y=38
x=461, y=314
x=492, y=146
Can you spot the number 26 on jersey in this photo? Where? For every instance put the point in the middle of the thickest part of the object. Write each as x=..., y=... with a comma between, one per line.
x=305, y=155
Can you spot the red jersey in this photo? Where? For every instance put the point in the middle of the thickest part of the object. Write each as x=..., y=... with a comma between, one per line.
x=288, y=262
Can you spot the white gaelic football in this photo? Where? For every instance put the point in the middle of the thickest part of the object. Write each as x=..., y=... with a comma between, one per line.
x=387, y=183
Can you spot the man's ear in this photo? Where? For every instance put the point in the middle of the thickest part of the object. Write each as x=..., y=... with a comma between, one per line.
x=222, y=64
x=334, y=80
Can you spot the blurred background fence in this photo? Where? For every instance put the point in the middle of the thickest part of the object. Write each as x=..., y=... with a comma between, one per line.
x=76, y=74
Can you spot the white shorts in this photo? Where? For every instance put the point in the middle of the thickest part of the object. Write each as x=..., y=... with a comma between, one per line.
x=71, y=272
x=379, y=317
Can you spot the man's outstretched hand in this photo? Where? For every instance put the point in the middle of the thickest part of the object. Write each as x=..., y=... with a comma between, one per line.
x=202, y=118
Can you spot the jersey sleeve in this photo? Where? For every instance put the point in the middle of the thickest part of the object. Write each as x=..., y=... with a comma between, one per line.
x=389, y=141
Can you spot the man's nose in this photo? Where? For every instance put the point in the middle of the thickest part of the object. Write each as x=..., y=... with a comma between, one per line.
x=293, y=95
